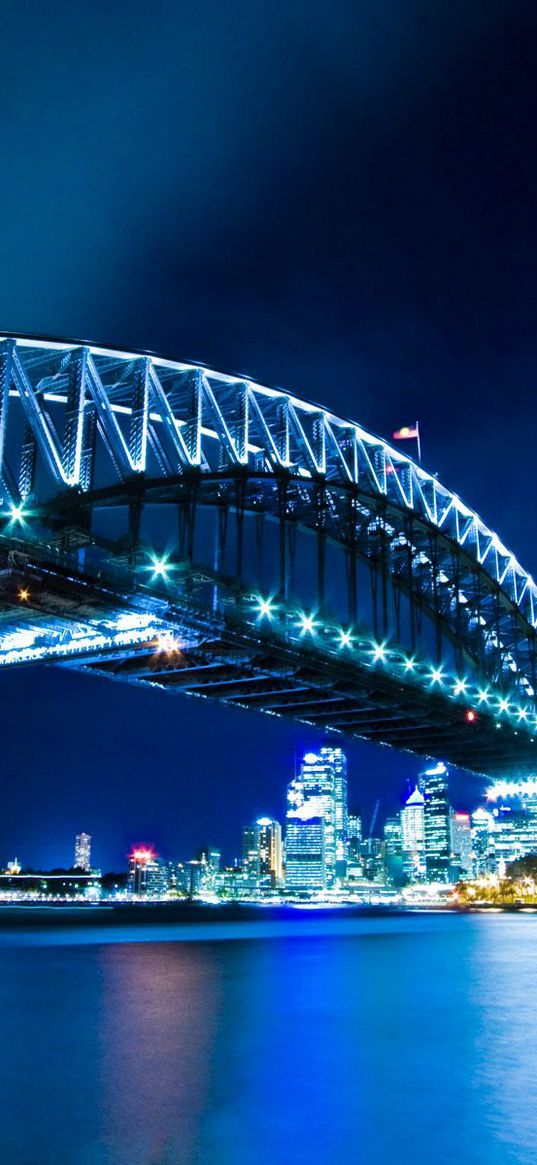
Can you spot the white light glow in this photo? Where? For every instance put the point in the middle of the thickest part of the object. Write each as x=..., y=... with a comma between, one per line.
x=160, y=568
x=437, y=675
x=460, y=687
x=17, y=514
x=345, y=639
x=379, y=653
x=265, y=608
x=307, y=624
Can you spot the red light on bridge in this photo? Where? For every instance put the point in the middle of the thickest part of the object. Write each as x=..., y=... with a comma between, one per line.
x=470, y=716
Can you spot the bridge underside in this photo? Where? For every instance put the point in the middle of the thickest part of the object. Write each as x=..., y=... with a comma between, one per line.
x=52, y=612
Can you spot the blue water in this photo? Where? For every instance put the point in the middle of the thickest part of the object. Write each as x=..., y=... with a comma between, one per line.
x=403, y=1040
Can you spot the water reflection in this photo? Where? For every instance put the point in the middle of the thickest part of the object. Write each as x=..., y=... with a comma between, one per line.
x=157, y=1024
x=401, y=1040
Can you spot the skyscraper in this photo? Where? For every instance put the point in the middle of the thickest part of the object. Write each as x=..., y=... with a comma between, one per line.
x=148, y=876
x=323, y=779
x=461, y=844
x=413, y=834
x=262, y=854
x=483, y=848
x=269, y=843
x=393, y=841
x=437, y=814
x=83, y=852
x=305, y=848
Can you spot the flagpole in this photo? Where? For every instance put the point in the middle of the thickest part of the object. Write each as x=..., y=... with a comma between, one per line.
x=418, y=440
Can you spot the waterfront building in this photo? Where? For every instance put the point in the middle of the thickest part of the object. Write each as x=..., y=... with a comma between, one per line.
x=373, y=859
x=437, y=823
x=322, y=782
x=149, y=877
x=305, y=848
x=250, y=858
x=461, y=846
x=354, y=832
x=269, y=845
x=514, y=835
x=393, y=851
x=262, y=855
x=336, y=760
x=413, y=837
x=210, y=860
x=83, y=852
x=483, y=848
x=232, y=883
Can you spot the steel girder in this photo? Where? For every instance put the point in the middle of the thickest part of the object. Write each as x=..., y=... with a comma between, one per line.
x=82, y=426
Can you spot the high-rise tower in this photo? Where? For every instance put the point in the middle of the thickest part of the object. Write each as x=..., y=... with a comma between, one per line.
x=437, y=820
x=318, y=796
x=83, y=852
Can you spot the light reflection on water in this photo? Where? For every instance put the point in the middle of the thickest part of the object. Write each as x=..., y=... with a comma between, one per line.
x=396, y=1040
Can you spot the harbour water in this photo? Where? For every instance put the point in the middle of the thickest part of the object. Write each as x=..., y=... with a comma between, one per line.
x=388, y=1041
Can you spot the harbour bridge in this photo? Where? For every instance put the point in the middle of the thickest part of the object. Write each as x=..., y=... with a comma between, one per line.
x=168, y=525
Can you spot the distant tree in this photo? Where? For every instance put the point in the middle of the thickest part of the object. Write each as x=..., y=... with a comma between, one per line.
x=109, y=880
x=523, y=868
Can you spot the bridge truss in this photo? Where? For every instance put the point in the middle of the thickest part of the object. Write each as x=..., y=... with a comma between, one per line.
x=166, y=524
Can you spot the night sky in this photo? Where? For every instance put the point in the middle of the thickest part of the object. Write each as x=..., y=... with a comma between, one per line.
x=336, y=198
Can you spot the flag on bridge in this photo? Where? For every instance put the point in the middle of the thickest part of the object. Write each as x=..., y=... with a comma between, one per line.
x=409, y=433
x=406, y=433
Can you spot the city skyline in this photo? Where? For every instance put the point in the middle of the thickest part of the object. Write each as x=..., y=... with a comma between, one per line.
x=420, y=824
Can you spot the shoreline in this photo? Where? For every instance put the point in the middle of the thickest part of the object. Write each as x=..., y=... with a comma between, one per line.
x=184, y=913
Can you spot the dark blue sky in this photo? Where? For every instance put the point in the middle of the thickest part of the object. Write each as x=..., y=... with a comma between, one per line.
x=338, y=198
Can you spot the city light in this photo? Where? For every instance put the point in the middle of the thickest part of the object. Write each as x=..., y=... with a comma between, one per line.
x=141, y=855
x=460, y=687
x=24, y=595
x=409, y=664
x=379, y=653
x=504, y=705
x=437, y=675
x=483, y=696
x=470, y=716
x=345, y=639
x=504, y=790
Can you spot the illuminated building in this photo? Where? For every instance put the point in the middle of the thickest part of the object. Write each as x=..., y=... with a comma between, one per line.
x=148, y=876
x=269, y=842
x=336, y=760
x=373, y=857
x=262, y=855
x=210, y=860
x=305, y=850
x=483, y=851
x=83, y=852
x=513, y=815
x=393, y=850
x=413, y=836
x=461, y=845
x=320, y=790
x=354, y=832
x=250, y=858
x=437, y=812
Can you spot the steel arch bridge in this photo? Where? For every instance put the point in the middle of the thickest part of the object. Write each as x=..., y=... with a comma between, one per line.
x=165, y=524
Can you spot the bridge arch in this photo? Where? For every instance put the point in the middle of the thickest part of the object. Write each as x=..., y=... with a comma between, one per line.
x=86, y=433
